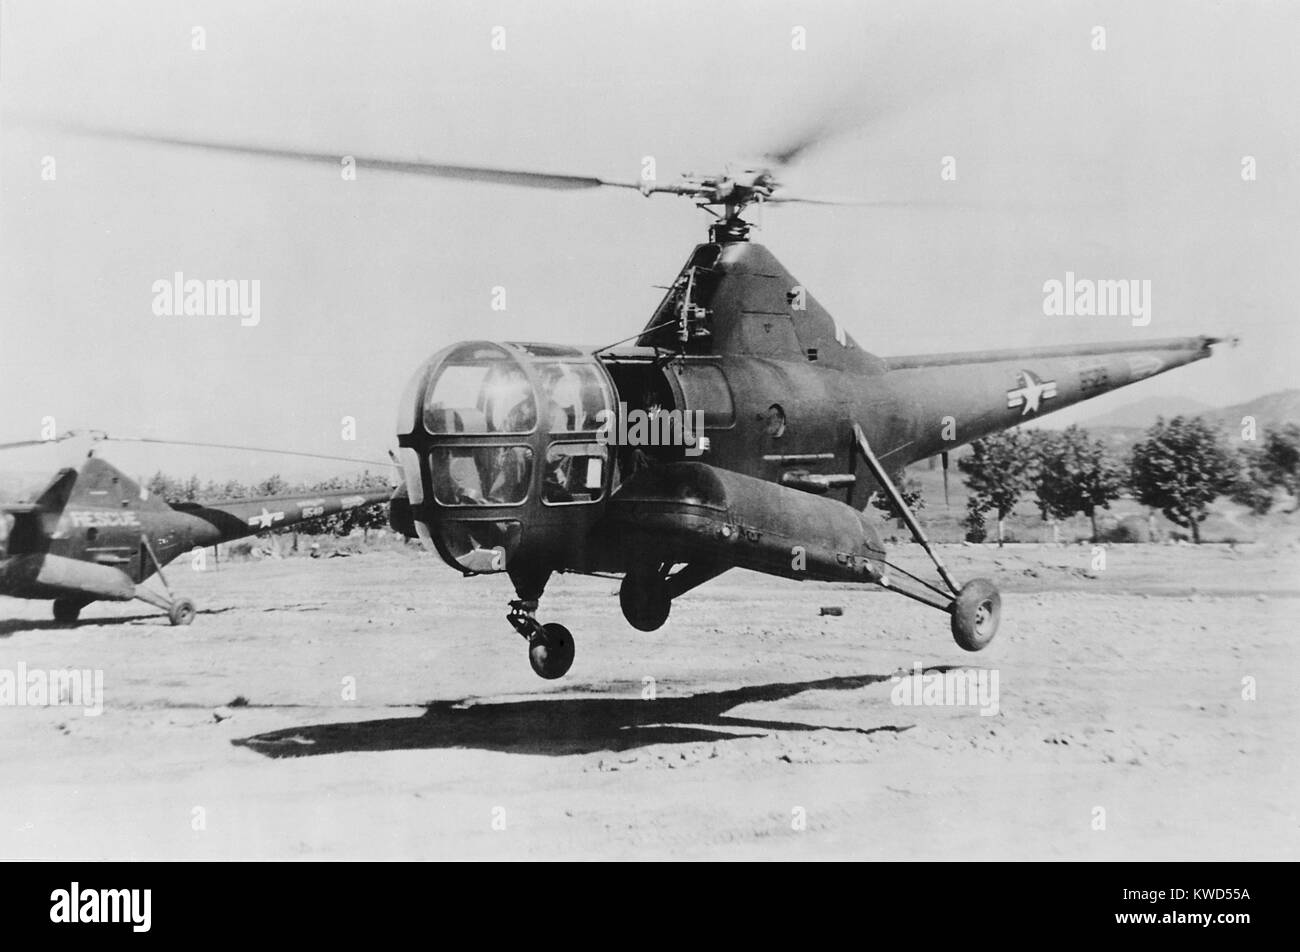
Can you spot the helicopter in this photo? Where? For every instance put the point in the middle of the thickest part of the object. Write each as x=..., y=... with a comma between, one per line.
x=517, y=458
x=94, y=534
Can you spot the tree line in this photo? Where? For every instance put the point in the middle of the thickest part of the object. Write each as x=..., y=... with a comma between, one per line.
x=1179, y=467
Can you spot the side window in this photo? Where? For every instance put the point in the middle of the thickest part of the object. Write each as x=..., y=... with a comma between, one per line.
x=575, y=472
x=480, y=475
x=573, y=395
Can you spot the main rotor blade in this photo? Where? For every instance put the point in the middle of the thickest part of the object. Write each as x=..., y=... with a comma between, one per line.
x=251, y=449
x=471, y=173
x=959, y=59
x=788, y=151
x=784, y=197
x=21, y=443
x=99, y=436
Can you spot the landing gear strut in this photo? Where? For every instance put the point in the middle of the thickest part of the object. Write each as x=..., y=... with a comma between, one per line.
x=550, y=646
x=976, y=607
x=180, y=611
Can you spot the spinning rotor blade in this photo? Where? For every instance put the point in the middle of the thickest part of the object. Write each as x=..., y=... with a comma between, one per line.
x=99, y=436
x=468, y=173
x=21, y=443
x=251, y=449
x=782, y=197
x=800, y=143
x=71, y=434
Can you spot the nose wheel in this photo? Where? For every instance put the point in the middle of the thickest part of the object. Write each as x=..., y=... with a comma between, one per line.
x=550, y=651
x=550, y=646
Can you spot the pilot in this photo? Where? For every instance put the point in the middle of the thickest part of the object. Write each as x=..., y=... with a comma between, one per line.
x=564, y=392
x=509, y=388
x=557, y=481
x=510, y=470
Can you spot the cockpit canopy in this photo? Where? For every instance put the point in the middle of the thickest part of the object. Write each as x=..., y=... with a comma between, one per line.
x=482, y=391
x=490, y=431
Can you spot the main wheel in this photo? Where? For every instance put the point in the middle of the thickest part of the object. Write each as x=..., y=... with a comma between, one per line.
x=643, y=596
x=976, y=611
x=550, y=651
x=66, y=611
x=181, y=612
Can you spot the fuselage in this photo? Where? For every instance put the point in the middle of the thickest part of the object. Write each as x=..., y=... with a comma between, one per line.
x=510, y=458
x=95, y=532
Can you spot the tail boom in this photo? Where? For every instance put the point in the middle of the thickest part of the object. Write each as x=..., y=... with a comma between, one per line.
x=937, y=402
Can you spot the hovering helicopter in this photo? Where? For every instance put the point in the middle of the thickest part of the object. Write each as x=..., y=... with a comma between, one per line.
x=94, y=534
x=513, y=460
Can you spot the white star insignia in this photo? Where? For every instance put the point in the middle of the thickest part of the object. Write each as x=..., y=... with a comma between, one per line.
x=266, y=519
x=1031, y=393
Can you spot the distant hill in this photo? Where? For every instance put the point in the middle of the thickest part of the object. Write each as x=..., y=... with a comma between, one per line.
x=1271, y=411
x=1143, y=413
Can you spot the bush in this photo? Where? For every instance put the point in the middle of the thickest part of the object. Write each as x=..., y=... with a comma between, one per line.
x=1130, y=529
x=976, y=526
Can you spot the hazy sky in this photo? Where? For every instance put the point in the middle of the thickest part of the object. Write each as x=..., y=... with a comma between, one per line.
x=1122, y=163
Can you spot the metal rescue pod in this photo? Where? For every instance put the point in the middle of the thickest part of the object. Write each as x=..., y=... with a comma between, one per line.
x=500, y=452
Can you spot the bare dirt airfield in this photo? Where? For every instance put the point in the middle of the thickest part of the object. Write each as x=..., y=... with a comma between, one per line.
x=1121, y=692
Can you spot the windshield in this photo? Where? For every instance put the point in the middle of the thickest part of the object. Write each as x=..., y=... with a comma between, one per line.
x=489, y=395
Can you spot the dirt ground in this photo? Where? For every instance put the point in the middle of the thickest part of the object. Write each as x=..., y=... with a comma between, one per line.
x=1121, y=728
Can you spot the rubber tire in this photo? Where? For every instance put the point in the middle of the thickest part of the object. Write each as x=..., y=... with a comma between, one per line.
x=181, y=612
x=644, y=601
x=976, y=612
x=550, y=651
x=66, y=612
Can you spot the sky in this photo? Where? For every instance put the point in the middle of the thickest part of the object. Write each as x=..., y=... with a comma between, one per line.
x=1116, y=163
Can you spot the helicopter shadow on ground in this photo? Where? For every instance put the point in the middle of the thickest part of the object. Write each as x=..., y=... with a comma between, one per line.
x=560, y=725
x=10, y=626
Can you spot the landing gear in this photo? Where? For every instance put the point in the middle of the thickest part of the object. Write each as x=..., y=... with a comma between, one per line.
x=66, y=610
x=976, y=607
x=180, y=611
x=645, y=599
x=976, y=611
x=550, y=646
x=550, y=651
x=648, y=590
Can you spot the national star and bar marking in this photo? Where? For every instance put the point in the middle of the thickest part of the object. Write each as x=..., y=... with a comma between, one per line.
x=1031, y=393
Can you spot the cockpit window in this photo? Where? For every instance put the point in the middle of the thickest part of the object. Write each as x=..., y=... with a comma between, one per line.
x=481, y=475
x=481, y=546
x=573, y=395
x=575, y=472
x=480, y=396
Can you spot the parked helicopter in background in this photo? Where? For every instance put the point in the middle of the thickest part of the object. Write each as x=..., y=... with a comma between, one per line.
x=94, y=534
